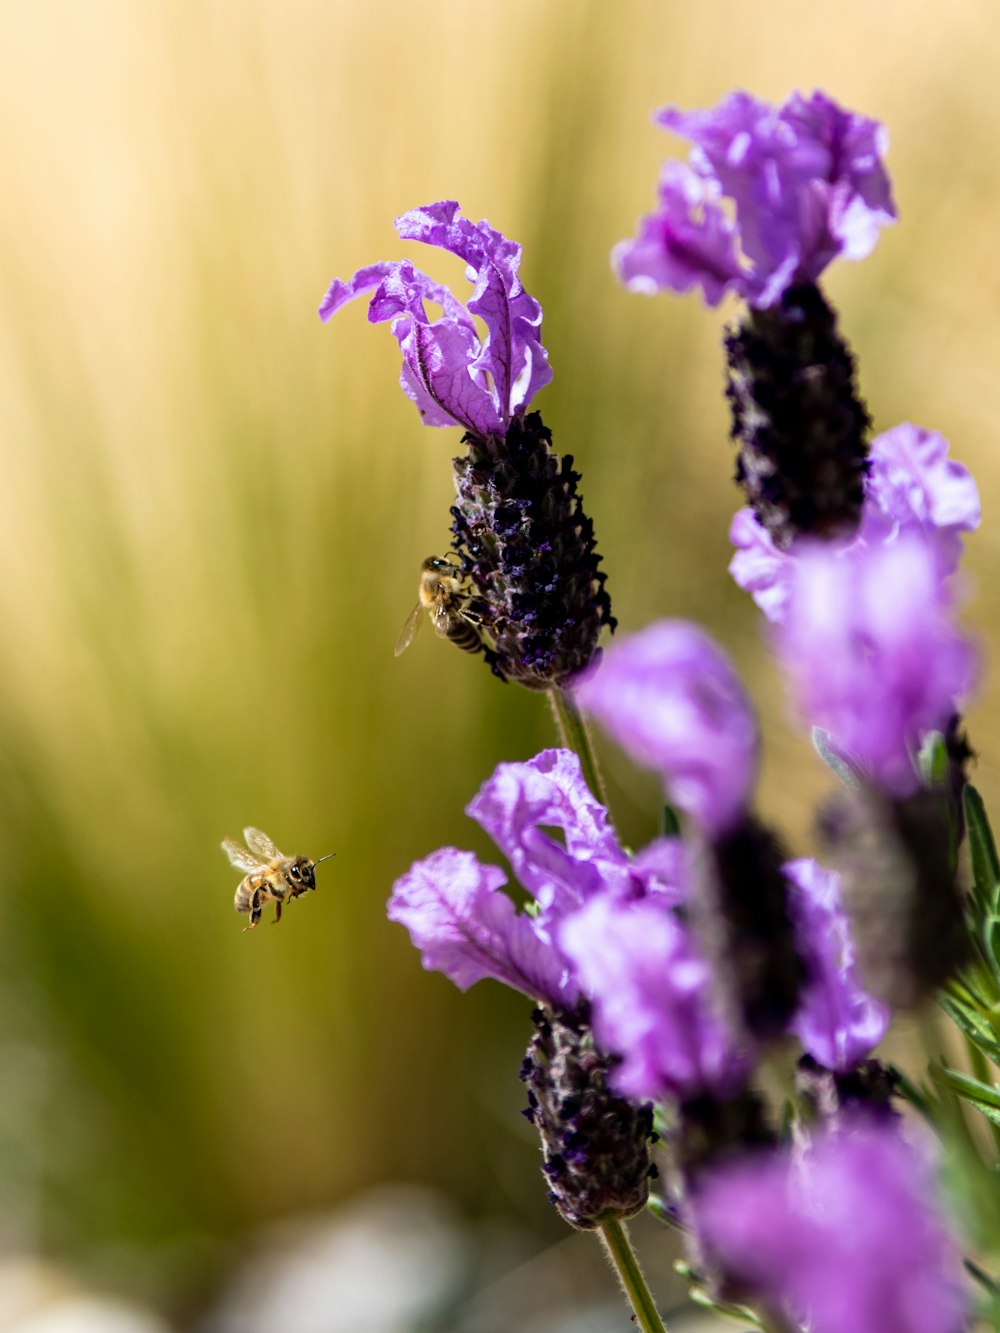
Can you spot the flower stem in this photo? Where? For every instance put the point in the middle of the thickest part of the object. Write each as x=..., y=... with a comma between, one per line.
x=623, y=1260
x=573, y=731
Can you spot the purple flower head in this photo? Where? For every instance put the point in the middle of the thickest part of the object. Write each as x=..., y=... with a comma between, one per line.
x=806, y=185
x=912, y=488
x=650, y=999
x=465, y=925
x=452, y=375
x=850, y=1237
x=872, y=652
x=672, y=700
x=837, y=1022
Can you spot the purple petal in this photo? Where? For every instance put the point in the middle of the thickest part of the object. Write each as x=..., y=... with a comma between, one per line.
x=339, y=293
x=650, y=1000
x=674, y=703
x=849, y=1238
x=872, y=652
x=913, y=486
x=519, y=800
x=758, y=567
x=467, y=928
x=838, y=1023
x=688, y=241
x=436, y=376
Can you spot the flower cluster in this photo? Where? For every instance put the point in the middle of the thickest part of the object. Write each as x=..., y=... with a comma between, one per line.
x=664, y=975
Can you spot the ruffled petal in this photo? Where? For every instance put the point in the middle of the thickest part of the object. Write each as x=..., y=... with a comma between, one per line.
x=689, y=241
x=520, y=801
x=466, y=927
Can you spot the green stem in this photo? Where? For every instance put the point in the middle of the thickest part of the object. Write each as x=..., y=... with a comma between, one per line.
x=573, y=731
x=623, y=1260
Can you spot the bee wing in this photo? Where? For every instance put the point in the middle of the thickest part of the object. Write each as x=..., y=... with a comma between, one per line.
x=441, y=617
x=241, y=857
x=261, y=844
x=410, y=629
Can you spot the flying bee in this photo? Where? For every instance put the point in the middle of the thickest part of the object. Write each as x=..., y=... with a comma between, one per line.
x=444, y=597
x=270, y=876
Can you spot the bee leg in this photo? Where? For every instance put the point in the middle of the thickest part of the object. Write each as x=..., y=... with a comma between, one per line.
x=277, y=912
x=254, y=912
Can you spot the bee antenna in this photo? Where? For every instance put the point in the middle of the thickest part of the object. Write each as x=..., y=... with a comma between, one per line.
x=324, y=858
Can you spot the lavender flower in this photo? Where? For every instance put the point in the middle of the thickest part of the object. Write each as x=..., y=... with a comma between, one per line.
x=450, y=374
x=594, y=1140
x=874, y=657
x=806, y=183
x=850, y=1237
x=912, y=487
x=838, y=1023
x=526, y=546
x=873, y=654
x=674, y=702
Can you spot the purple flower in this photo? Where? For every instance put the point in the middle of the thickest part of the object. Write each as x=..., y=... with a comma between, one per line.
x=872, y=652
x=912, y=488
x=806, y=184
x=672, y=700
x=650, y=999
x=850, y=1237
x=452, y=375
x=838, y=1023
x=467, y=927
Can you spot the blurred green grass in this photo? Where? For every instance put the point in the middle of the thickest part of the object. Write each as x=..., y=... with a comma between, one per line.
x=213, y=511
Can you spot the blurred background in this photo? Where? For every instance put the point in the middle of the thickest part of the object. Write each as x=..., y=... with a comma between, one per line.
x=212, y=515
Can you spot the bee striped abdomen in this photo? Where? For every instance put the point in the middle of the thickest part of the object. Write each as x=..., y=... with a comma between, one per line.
x=463, y=634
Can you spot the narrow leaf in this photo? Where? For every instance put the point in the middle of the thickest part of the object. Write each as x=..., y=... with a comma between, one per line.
x=983, y=851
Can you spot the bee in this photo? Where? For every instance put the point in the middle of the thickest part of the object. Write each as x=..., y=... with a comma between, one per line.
x=270, y=876
x=444, y=596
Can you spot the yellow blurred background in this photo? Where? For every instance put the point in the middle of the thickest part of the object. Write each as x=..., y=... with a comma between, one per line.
x=213, y=511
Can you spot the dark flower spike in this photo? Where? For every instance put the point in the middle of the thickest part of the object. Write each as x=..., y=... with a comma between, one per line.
x=800, y=428
x=595, y=1144
x=530, y=553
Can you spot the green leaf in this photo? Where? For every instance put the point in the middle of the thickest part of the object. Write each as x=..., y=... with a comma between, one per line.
x=933, y=760
x=975, y=1026
x=983, y=1096
x=983, y=852
x=835, y=759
